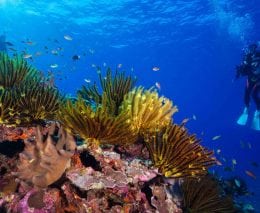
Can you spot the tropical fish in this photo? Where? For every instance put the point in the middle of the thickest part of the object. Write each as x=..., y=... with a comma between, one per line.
x=185, y=120
x=25, y=56
x=250, y=174
x=68, y=38
x=87, y=80
x=234, y=161
x=194, y=117
x=158, y=85
x=237, y=182
x=155, y=69
x=218, y=163
x=54, y=52
x=75, y=57
x=54, y=65
x=216, y=137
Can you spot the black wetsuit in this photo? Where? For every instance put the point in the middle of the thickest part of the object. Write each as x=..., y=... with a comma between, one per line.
x=251, y=69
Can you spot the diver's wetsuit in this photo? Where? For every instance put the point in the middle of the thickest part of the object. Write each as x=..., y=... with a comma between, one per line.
x=254, y=88
x=252, y=70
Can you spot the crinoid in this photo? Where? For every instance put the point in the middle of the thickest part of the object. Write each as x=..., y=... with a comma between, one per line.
x=14, y=71
x=177, y=154
x=203, y=196
x=96, y=125
x=113, y=88
x=28, y=105
x=8, y=112
x=36, y=102
x=147, y=110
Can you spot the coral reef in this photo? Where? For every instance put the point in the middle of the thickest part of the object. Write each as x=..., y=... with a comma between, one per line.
x=120, y=152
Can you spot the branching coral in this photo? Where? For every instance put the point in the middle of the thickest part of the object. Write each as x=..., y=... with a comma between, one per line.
x=203, y=196
x=114, y=89
x=147, y=110
x=96, y=125
x=177, y=154
x=43, y=162
x=14, y=71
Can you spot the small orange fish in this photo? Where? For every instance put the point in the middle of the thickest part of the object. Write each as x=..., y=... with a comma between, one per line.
x=250, y=174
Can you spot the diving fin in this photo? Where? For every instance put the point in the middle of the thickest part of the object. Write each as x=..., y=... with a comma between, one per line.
x=242, y=120
x=256, y=120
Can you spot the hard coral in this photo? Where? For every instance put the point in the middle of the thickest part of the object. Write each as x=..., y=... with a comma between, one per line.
x=146, y=110
x=44, y=162
x=177, y=154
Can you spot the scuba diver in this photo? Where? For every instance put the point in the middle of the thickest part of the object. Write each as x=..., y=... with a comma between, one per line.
x=3, y=45
x=250, y=67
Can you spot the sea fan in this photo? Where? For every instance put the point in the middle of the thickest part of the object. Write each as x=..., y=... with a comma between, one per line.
x=147, y=110
x=96, y=125
x=114, y=89
x=177, y=154
x=203, y=196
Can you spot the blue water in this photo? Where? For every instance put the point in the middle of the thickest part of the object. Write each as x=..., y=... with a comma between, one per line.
x=196, y=44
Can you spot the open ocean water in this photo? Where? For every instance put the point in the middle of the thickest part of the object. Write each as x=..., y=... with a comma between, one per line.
x=188, y=49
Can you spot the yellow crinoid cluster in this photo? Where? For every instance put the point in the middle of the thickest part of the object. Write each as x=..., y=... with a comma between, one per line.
x=96, y=124
x=146, y=110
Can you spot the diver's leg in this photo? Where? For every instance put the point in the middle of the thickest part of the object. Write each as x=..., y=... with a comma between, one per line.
x=256, y=97
x=242, y=120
